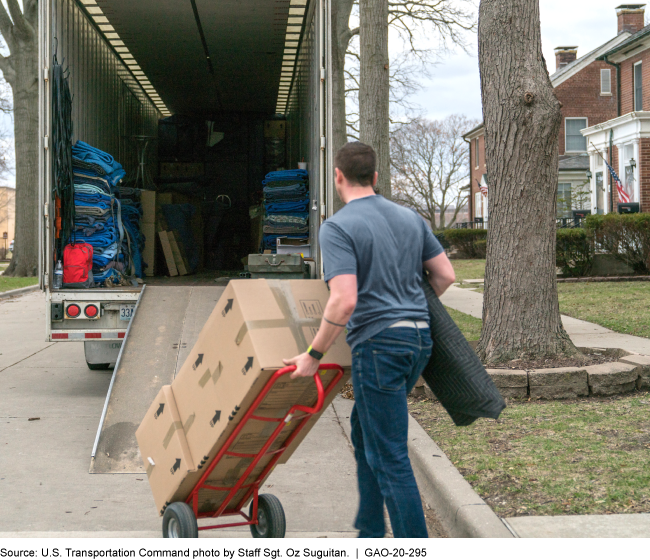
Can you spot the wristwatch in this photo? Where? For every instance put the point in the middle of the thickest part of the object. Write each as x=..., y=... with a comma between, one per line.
x=315, y=353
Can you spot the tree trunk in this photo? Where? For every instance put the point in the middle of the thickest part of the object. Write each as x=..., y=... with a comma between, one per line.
x=342, y=34
x=521, y=316
x=25, y=94
x=374, y=86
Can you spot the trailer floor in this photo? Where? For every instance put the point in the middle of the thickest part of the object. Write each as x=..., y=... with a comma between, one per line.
x=44, y=481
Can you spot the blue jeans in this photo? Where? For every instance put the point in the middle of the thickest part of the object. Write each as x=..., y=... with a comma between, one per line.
x=384, y=370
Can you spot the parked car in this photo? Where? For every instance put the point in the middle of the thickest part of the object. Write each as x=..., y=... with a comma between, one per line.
x=11, y=246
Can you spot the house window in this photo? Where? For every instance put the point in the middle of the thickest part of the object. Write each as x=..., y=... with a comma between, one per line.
x=564, y=200
x=575, y=141
x=638, y=86
x=476, y=152
x=605, y=82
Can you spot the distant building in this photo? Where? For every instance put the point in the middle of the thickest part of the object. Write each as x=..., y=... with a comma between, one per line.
x=7, y=218
x=588, y=89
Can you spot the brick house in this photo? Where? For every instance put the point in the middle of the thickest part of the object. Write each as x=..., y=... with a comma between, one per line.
x=625, y=139
x=587, y=87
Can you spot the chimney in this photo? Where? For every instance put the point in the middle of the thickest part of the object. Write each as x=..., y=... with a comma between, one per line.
x=564, y=56
x=631, y=17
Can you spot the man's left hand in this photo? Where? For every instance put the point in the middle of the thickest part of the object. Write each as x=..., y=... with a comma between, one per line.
x=306, y=366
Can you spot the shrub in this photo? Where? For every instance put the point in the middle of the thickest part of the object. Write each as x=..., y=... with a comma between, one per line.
x=480, y=248
x=574, y=252
x=440, y=236
x=463, y=240
x=625, y=236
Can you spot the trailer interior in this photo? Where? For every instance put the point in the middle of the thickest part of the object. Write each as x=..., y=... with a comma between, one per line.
x=221, y=93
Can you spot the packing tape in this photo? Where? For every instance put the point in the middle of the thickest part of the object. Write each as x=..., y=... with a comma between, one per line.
x=284, y=298
x=214, y=375
x=178, y=425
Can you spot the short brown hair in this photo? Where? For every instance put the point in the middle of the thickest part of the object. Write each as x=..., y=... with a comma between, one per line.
x=358, y=162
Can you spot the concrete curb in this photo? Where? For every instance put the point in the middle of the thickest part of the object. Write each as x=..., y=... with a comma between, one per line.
x=461, y=511
x=19, y=291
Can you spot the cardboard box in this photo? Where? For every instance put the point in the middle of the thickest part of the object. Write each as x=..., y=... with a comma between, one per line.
x=149, y=251
x=275, y=129
x=164, y=449
x=255, y=324
x=148, y=201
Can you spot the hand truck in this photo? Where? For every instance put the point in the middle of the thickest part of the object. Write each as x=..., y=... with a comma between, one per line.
x=266, y=515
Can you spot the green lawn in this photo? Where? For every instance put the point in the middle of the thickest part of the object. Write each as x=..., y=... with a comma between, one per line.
x=7, y=284
x=552, y=458
x=623, y=307
x=468, y=269
x=470, y=326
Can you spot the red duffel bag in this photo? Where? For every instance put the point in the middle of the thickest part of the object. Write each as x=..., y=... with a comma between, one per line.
x=78, y=266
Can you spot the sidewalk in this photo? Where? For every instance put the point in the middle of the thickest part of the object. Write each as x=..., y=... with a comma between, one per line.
x=51, y=405
x=584, y=334
x=44, y=481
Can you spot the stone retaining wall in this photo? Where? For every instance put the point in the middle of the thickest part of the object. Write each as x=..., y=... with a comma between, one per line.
x=628, y=373
x=602, y=380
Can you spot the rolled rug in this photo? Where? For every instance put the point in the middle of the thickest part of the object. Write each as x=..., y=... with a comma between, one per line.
x=454, y=373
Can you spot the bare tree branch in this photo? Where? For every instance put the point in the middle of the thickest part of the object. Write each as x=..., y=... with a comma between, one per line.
x=429, y=168
x=21, y=25
x=7, y=28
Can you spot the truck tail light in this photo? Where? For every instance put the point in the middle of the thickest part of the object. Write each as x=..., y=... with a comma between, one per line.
x=91, y=311
x=73, y=311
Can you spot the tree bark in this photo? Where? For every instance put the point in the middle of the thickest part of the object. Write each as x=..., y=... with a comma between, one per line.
x=521, y=316
x=20, y=69
x=342, y=34
x=25, y=93
x=374, y=86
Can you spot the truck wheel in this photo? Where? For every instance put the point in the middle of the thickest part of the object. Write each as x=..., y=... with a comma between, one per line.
x=271, y=523
x=179, y=522
x=95, y=367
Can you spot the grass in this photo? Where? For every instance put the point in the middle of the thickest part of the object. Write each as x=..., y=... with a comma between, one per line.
x=623, y=307
x=469, y=326
x=553, y=458
x=8, y=283
x=468, y=269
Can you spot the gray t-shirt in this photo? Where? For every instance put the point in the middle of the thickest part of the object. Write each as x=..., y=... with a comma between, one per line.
x=384, y=244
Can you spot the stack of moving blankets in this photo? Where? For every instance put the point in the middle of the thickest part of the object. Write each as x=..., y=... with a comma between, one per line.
x=286, y=204
x=110, y=225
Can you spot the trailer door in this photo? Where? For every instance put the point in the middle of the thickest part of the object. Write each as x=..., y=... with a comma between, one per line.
x=45, y=209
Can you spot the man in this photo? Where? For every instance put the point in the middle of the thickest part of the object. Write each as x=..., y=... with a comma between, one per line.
x=373, y=252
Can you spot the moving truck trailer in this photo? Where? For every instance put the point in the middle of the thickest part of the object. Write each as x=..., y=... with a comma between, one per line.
x=148, y=68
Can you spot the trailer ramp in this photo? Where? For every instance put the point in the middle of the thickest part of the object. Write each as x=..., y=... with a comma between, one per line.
x=162, y=332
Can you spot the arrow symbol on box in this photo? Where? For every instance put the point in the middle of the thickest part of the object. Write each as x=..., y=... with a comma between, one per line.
x=227, y=308
x=249, y=365
x=215, y=418
x=177, y=465
x=159, y=411
x=198, y=362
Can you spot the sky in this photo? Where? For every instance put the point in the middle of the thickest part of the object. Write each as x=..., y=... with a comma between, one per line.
x=454, y=84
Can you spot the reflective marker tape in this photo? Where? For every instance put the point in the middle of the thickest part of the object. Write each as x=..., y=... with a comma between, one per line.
x=85, y=336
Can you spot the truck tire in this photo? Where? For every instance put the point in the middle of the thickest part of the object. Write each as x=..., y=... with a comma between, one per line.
x=96, y=367
x=271, y=522
x=179, y=522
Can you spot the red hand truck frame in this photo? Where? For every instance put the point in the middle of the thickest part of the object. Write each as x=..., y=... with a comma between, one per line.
x=266, y=516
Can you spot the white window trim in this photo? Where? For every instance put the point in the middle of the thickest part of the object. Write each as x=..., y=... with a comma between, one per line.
x=634, y=84
x=605, y=93
x=477, y=159
x=566, y=151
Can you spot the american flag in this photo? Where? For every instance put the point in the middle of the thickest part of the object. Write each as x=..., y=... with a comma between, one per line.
x=483, y=187
x=622, y=195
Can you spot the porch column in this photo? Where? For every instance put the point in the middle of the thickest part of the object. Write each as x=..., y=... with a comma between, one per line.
x=592, y=183
x=607, y=184
x=637, y=172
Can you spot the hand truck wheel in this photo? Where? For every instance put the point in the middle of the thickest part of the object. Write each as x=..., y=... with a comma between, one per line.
x=270, y=517
x=179, y=522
